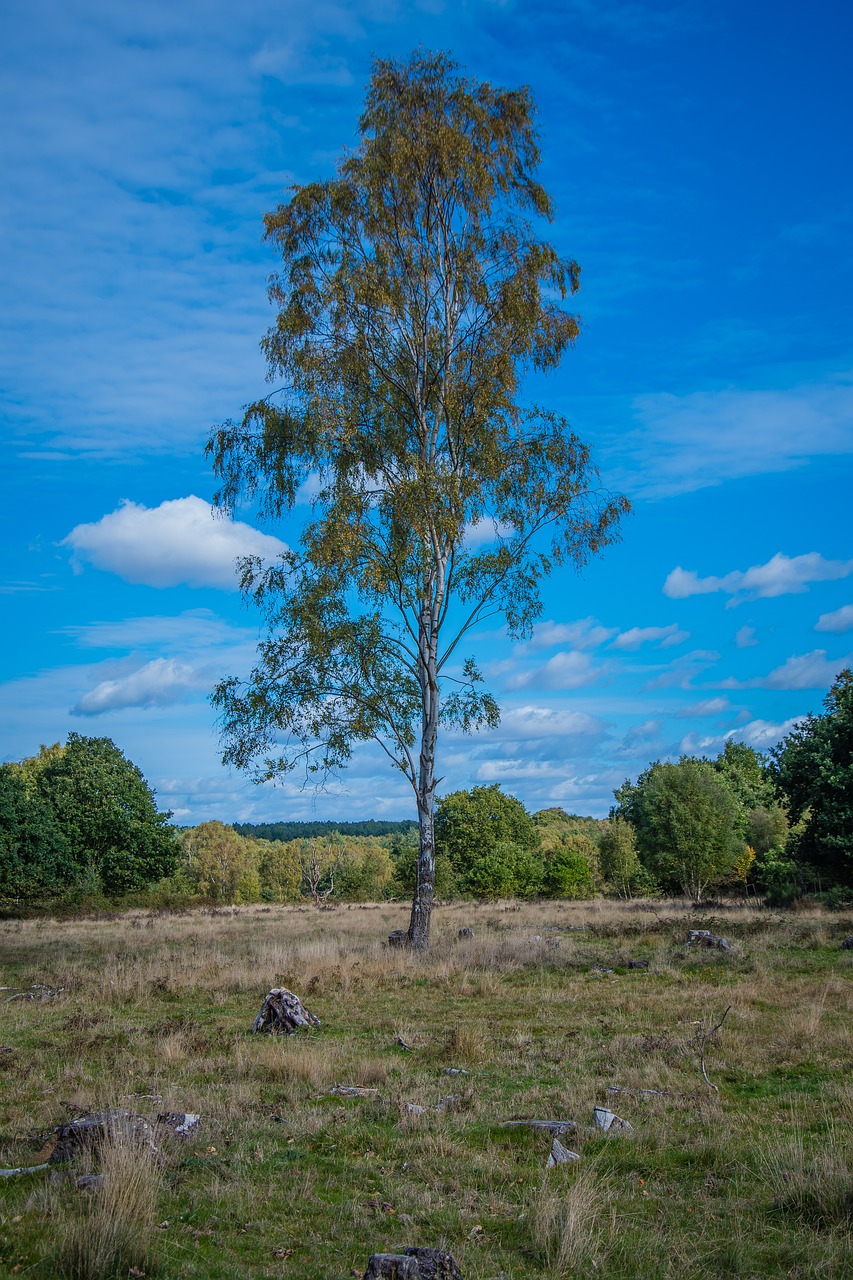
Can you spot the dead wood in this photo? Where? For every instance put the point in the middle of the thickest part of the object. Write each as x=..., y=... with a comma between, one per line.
x=282, y=1013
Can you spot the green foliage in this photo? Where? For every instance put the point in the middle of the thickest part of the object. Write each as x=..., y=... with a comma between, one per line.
x=490, y=841
x=814, y=768
x=414, y=294
x=619, y=859
x=746, y=774
x=404, y=854
x=365, y=873
x=222, y=866
x=279, y=870
x=767, y=828
x=570, y=870
x=287, y=831
x=80, y=819
x=687, y=822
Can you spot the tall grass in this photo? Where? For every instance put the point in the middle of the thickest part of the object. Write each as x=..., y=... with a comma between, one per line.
x=108, y=1233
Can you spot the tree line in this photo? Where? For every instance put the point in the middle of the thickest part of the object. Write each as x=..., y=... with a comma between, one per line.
x=79, y=824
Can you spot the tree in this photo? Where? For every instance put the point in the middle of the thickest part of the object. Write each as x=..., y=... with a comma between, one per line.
x=491, y=842
x=222, y=865
x=570, y=870
x=106, y=812
x=620, y=863
x=413, y=297
x=687, y=825
x=33, y=850
x=747, y=775
x=814, y=768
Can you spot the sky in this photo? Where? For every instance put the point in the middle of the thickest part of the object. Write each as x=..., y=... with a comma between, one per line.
x=699, y=157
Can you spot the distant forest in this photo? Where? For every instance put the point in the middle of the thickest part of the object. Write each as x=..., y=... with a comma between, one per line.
x=305, y=830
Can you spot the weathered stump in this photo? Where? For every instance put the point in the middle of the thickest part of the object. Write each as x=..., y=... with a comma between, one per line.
x=90, y=1132
x=467, y=932
x=397, y=938
x=392, y=1266
x=708, y=939
x=847, y=944
x=282, y=1013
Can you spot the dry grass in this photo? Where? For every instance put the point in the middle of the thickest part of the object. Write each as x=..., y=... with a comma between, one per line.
x=107, y=1234
x=154, y=1014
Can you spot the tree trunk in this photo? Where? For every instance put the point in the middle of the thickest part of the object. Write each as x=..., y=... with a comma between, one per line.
x=419, y=923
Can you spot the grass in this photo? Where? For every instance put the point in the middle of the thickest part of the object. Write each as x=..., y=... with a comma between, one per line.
x=287, y=1178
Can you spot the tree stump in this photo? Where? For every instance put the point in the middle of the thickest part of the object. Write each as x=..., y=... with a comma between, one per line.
x=91, y=1131
x=397, y=938
x=392, y=1266
x=282, y=1013
x=435, y=1264
x=847, y=944
x=708, y=939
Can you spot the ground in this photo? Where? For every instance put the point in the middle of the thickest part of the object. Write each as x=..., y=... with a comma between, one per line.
x=538, y=1015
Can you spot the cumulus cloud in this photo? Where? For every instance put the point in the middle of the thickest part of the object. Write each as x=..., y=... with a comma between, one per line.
x=665, y=636
x=839, y=620
x=181, y=541
x=801, y=671
x=570, y=670
x=586, y=633
x=760, y=734
x=156, y=684
x=781, y=575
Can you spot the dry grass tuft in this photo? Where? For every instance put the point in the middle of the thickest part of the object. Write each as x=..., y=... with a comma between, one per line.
x=108, y=1233
x=565, y=1220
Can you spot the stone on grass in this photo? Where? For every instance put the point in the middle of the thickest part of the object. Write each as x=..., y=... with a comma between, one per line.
x=180, y=1123
x=560, y=1154
x=609, y=1122
x=282, y=1013
x=554, y=1127
x=847, y=944
x=638, y=964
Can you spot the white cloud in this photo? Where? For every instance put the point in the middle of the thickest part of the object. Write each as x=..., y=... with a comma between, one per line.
x=181, y=541
x=745, y=638
x=839, y=620
x=709, y=707
x=571, y=670
x=196, y=629
x=157, y=684
x=482, y=532
x=801, y=671
x=781, y=575
x=760, y=734
x=690, y=442
x=666, y=637
x=684, y=669
x=586, y=633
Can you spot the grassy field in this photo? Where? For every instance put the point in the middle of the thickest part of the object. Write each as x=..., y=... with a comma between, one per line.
x=541, y=1013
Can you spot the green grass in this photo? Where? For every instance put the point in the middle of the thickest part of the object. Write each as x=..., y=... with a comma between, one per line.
x=287, y=1179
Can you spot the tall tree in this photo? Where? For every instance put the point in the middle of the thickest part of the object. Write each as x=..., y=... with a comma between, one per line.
x=413, y=297
x=686, y=821
x=814, y=767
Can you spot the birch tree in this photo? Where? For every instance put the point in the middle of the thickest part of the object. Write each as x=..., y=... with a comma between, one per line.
x=413, y=298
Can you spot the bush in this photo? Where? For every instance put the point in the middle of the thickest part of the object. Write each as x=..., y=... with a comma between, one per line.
x=569, y=871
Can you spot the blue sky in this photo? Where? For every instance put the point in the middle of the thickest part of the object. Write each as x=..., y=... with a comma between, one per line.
x=699, y=157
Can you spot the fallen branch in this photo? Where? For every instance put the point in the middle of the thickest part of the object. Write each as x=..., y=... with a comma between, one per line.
x=703, y=1038
x=26, y=1168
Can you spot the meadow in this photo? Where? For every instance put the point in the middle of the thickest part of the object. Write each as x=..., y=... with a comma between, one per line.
x=745, y=1169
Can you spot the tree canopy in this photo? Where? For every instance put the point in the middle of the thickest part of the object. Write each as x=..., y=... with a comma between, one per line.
x=80, y=816
x=814, y=767
x=413, y=297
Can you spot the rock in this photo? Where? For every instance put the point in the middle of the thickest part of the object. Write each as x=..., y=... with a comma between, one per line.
x=396, y=938
x=708, y=939
x=560, y=1154
x=181, y=1123
x=467, y=932
x=638, y=964
x=455, y=1071
x=609, y=1122
x=434, y=1264
x=392, y=1266
x=413, y=1108
x=847, y=944
x=88, y=1181
x=89, y=1132
x=283, y=1013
